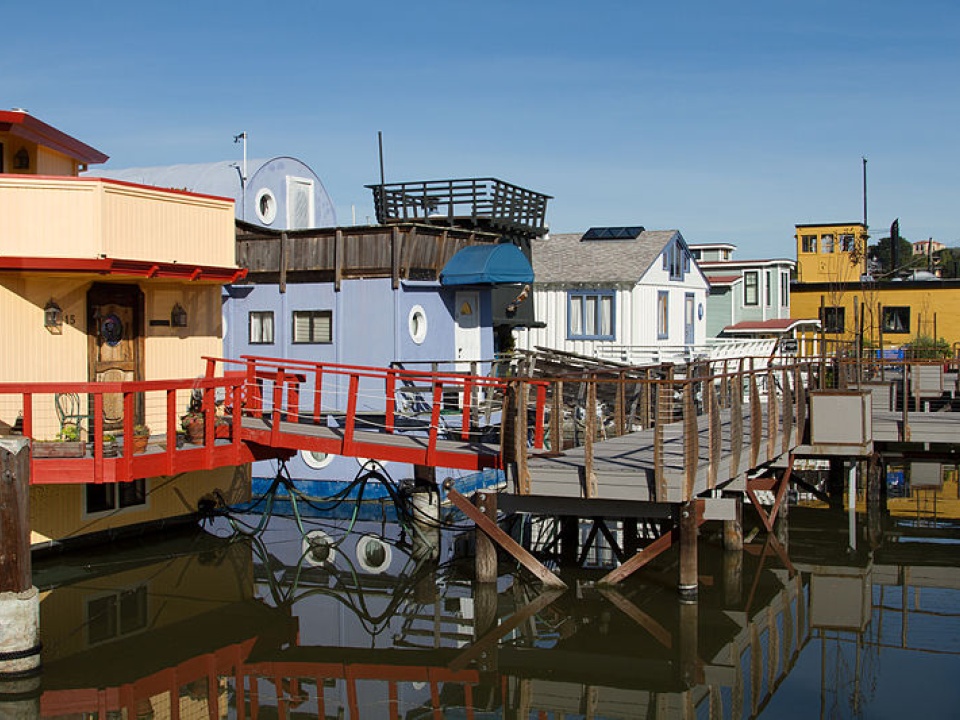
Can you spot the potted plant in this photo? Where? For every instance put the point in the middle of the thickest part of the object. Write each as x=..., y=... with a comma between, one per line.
x=141, y=435
x=109, y=442
x=193, y=425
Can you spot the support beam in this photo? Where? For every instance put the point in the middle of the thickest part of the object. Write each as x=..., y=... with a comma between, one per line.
x=490, y=528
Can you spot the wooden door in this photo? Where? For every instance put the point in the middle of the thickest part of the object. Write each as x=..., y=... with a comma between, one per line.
x=114, y=329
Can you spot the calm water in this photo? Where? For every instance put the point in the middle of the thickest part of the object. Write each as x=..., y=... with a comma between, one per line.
x=215, y=625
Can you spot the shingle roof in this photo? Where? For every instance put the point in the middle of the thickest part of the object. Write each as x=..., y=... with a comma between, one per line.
x=564, y=258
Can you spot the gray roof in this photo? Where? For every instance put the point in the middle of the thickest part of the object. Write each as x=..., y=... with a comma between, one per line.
x=565, y=258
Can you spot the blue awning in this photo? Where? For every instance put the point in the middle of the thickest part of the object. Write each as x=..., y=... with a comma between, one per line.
x=487, y=265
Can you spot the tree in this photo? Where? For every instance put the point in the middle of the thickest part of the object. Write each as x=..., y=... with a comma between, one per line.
x=948, y=260
x=881, y=252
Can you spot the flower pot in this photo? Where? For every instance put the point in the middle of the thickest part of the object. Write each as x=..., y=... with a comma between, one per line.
x=140, y=443
x=194, y=433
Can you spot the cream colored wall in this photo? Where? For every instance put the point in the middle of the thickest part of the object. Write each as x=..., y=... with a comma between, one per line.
x=50, y=162
x=168, y=352
x=152, y=224
x=57, y=511
x=88, y=218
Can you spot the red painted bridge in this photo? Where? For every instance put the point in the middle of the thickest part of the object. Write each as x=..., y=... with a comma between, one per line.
x=256, y=408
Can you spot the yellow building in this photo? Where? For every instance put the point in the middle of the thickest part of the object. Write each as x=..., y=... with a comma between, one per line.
x=104, y=281
x=835, y=252
x=830, y=264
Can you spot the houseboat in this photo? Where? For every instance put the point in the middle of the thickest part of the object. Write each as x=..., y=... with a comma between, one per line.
x=438, y=284
x=108, y=289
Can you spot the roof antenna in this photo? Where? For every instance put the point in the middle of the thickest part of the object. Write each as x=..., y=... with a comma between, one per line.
x=382, y=210
x=242, y=137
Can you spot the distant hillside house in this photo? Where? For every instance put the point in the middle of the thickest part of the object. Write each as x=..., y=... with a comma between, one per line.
x=616, y=287
x=281, y=193
x=925, y=247
x=748, y=298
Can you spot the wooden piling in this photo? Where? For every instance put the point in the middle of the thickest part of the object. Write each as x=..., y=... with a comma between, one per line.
x=19, y=599
x=733, y=529
x=486, y=550
x=688, y=551
x=569, y=540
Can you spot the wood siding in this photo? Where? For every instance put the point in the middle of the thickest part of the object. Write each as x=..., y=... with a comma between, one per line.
x=88, y=218
x=57, y=511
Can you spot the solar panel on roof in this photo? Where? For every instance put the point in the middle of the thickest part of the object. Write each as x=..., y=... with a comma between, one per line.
x=631, y=232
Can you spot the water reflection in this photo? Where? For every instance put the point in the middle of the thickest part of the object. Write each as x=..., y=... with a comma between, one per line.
x=336, y=626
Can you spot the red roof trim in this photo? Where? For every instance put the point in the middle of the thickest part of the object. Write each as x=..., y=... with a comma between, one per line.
x=24, y=125
x=124, y=268
x=723, y=279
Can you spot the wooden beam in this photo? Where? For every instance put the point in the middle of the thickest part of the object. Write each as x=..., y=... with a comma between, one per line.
x=656, y=630
x=511, y=546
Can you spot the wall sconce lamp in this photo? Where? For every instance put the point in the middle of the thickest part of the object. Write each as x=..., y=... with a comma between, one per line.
x=21, y=159
x=53, y=318
x=178, y=316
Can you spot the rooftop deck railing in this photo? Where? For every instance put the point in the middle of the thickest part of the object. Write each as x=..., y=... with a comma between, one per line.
x=475, y=199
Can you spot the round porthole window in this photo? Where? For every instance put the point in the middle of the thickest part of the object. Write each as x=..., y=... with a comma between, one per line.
x=318, y=548
x=316, y=460
x=266, y=205
x=373, y=554
x=417, y=324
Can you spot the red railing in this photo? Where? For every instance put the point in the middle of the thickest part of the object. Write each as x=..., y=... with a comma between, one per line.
x=157, y=403
x=361, y=398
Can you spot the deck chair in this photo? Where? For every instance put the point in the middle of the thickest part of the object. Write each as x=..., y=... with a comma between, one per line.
x=70, y=410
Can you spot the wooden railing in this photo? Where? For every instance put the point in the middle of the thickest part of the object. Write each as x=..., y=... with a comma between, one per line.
x=710, y=400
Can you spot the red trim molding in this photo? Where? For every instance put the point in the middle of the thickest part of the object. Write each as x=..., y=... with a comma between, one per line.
x=124, y=268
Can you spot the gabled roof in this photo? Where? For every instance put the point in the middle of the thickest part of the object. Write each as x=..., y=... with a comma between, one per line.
x=23, y=125
x=566, y=258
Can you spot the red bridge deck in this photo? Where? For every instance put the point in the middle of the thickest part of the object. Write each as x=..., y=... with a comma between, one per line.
x=284, y=406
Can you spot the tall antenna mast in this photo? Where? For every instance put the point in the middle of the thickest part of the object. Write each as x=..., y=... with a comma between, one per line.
x=864, y=192
x=383, y=209
x=242, y=138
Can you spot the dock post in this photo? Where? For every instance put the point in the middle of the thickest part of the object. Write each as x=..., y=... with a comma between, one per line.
x=733, y=529
x=569, y=540
x=688, y=551
x=732, y=578
x=852, y=505
x=486, y=551
x=875, y=501
x=689, y=642
x=835, y=483
x=425, y=509
x=19, y=599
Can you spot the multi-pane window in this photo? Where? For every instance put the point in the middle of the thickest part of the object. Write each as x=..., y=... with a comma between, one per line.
x=663, y=315
x=590, y=315
x=846, y=242
x=808, y=243
x=751, y=287
x=117, y=614
x=769, y=288
x=675, y=260
x=832, y=319
x=261, y=327
x=784, y=289
x=896, y=319
x=104, y=497
x=312, y=326
x=826, y=243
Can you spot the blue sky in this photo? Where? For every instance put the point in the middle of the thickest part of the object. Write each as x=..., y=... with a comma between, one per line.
x=730, y=121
